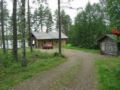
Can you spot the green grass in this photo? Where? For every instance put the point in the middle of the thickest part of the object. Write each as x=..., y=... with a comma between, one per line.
x=108, y=73
x=95, y=51
x=11, y=73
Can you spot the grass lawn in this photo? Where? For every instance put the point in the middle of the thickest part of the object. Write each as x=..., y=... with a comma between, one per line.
x=11, y=73
x=108, y=73
x=83, y=49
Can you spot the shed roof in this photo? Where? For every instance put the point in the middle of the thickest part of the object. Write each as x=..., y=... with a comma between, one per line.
x=50, y=35
x=111, y=36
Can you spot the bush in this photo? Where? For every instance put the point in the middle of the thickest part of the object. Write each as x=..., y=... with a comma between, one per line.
x=56, y=54
x=69, y=45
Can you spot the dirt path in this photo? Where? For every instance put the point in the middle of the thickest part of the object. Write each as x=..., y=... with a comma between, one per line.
x=83, y=80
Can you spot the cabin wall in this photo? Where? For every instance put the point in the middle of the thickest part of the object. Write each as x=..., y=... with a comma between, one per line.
x=55, y=43
x=108, y=46
x=42, y=42
x=64, y=42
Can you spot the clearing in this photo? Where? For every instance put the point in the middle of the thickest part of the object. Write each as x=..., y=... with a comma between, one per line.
x=77, y=73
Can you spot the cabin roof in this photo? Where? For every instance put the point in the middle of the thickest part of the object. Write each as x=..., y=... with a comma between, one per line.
x=49, y=35
x=111, y=36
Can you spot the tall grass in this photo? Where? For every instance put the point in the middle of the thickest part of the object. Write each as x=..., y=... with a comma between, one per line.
x=11, y=72
x=108, y=73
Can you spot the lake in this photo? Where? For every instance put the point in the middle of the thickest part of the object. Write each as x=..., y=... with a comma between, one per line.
x=9, y=44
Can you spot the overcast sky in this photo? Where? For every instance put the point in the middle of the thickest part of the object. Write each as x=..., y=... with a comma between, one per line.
x=71, y=12
x=74, y=4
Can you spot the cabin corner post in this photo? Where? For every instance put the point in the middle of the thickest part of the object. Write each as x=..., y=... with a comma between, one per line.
x=118, y=46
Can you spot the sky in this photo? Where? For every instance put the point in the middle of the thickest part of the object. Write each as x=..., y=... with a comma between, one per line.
x=53, y=6
x=72, y=12
x=74, y=4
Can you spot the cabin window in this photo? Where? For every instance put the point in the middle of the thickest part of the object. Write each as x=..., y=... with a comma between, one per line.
x=33, y=42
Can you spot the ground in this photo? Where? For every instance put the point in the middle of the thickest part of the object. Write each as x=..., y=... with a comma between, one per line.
x=77, y=73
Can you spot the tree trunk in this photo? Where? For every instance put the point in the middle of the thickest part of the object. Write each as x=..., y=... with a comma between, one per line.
x=59, y=24
x=41, y=25
x=29, y=27
x=2, y=27
x=7, y=38
x=15, y=53
x=24, y=63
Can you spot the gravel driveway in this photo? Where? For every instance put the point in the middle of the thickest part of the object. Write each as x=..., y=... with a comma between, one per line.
x=84, y=79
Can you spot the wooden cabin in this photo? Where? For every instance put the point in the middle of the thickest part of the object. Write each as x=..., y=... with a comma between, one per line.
x=109, y=44
x=39, y=39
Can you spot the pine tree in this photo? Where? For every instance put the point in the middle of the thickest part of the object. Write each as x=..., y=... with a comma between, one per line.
x=15, y=52
x=2, y=26
x=23, y=27
x=65, y=21
x=48, y=20
x=29, y=27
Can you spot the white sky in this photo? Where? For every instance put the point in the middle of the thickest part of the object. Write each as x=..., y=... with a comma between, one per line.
x=74, y=4
x=71, y=12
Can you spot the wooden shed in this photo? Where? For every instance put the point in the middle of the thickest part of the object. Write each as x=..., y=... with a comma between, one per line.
x=109, y=44
x=41, y=38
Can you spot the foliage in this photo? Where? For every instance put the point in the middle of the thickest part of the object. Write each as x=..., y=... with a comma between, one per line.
x=42, y=17
x=6, y=11
x=11, y=73
x=113, y=9
x=3, y=18
x=88, y=28
x=56, y=54
x=49, y=20
x=65, y=21
x=108, y=73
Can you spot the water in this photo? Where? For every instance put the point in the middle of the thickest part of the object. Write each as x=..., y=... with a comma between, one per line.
x=9, y=45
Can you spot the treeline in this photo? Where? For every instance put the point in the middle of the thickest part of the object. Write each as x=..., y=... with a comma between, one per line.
x=93, y=22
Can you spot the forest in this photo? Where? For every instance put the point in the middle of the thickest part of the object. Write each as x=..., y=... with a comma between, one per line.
x=93, y=22
x=26, y=16
x=89, y=25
